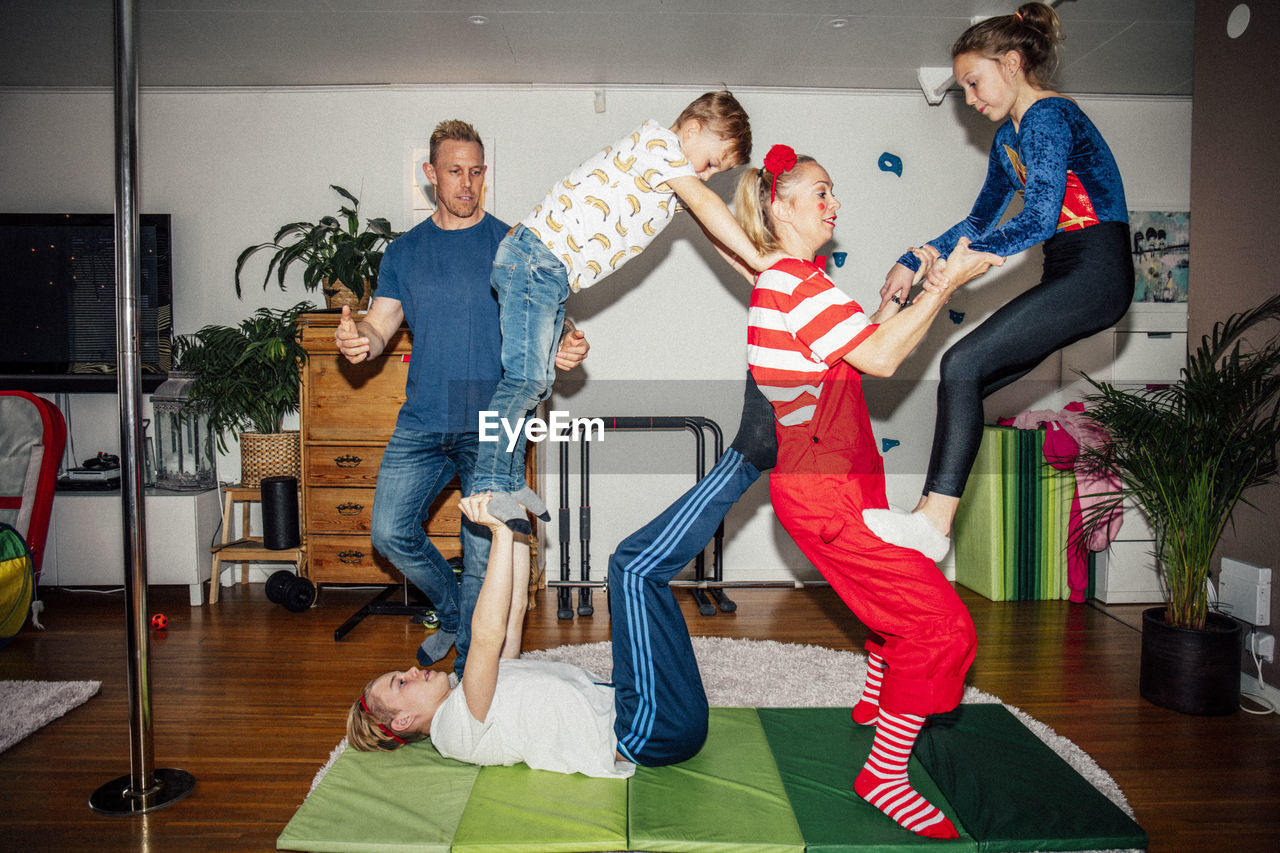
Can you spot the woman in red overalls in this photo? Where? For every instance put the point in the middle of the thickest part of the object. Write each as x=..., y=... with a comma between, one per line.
x=808, y=347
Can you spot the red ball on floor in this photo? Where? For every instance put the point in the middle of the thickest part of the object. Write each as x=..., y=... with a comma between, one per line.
x=159, y=621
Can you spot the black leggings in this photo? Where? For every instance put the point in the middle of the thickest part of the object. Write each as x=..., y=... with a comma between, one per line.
x=1086, y=287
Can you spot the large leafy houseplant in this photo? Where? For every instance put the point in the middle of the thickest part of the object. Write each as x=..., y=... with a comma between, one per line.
x=247, y=375
x=1188, y=452
x=332, y=250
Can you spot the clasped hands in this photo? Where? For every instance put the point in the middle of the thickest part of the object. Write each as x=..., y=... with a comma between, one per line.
x=935, y=275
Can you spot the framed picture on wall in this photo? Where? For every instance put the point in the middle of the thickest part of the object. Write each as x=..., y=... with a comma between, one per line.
x=1161, y=255
x=420, y=198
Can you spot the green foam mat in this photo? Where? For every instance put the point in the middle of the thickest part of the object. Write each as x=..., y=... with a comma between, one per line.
x=537, y=811
x=1013, y=792
x=729, y=797
x=819, y=752
x=768, y=779
x=410, y=801
x=979, y=524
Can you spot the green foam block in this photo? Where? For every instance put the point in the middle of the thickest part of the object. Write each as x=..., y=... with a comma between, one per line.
x=819, y=752
x=1015, y=793
x=520, y=809
x=728, y=797
x=409, y=801
x=979, y=525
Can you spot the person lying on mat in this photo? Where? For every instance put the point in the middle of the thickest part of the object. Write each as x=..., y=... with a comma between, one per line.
x=550, y=715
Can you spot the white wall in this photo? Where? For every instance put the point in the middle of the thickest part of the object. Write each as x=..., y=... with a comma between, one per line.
x=233, y=165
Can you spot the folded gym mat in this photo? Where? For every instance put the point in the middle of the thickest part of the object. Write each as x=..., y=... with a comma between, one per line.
x=728, y=797
x=408, y=801
x=1013, y=792
x=978, y=531
x=819, y=752
x=768, y=779
x=1011, y=528
x=517, y=808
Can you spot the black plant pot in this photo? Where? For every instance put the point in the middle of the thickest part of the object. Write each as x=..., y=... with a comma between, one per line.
x=1188, y=670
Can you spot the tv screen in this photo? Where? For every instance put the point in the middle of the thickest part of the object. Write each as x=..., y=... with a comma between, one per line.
x=58, y=281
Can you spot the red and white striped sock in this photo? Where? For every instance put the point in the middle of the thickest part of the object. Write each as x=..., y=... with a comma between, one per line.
x=883, y=781
x=864, y=713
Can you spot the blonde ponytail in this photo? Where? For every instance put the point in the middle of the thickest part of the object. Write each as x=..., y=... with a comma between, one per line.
x=751, y=203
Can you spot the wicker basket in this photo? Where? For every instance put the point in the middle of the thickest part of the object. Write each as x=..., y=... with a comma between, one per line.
x=269, y=454
x=337, y=295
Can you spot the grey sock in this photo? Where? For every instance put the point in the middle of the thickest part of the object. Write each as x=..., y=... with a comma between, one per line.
x=530, y=500
x=435, y=646
x=504, y=507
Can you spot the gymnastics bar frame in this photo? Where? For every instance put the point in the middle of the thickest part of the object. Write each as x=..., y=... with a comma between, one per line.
x=707, y=596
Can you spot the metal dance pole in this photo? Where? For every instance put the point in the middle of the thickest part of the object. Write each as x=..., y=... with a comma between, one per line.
x=145, y=789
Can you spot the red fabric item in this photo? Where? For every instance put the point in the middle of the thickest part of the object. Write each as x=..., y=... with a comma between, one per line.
x=54, y=440
x=780, y=159
x=829, y=471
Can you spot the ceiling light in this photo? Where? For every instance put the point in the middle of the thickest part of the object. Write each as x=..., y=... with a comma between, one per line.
x=838, y=23
x=478, y=20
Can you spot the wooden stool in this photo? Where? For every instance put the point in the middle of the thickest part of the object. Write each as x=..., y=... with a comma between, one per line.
x=248, y=548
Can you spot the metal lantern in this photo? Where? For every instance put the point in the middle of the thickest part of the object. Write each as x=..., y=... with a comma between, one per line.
x=184, y=440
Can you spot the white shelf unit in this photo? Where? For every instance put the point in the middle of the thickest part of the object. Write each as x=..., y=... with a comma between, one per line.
x=85, y=546
x=1148, y=346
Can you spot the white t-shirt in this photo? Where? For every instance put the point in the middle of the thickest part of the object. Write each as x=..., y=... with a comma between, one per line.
x=612, y=206
x=550, y=715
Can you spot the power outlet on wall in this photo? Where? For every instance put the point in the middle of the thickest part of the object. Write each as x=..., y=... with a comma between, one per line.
x=1263, y=645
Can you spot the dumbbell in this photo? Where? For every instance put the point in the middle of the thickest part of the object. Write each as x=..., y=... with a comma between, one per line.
x=294, y=593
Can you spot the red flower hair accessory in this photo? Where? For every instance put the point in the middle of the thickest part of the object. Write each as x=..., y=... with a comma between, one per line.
x=780, y=159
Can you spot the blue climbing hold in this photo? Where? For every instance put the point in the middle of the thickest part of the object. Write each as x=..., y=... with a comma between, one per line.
x=957, y=317
x=891, y=163
x=887, y=444
x=839, y=258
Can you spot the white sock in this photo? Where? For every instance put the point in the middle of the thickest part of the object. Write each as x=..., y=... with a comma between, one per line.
x=908, y=530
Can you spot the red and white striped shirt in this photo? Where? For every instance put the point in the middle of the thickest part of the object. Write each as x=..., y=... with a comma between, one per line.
x=799, y=326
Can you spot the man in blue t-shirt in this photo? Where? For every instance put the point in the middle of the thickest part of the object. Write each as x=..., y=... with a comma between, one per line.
x=435, y=277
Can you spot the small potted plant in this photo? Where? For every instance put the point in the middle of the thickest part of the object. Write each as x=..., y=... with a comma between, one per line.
x=247, y=382
x=337, y=254
x=1186, y=454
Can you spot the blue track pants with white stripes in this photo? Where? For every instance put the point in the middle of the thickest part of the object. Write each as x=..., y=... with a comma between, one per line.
x=661, y=705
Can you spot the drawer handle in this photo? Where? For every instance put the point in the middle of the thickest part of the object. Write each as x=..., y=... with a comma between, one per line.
x=351, y=558
x=347, y=461
x=350, y=509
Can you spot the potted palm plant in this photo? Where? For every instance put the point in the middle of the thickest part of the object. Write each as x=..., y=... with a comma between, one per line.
x=247, y=382
x=337, y=253
x=1187, y=454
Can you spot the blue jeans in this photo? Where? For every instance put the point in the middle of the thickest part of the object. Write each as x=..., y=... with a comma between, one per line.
x=660, y=702
x=416, y=467
x=532, y=287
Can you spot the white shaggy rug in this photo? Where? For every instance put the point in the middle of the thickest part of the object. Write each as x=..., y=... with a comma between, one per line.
x=27, y=705
x=769, y=674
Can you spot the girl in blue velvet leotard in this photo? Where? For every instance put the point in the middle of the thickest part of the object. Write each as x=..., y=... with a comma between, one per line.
x=1073, y=202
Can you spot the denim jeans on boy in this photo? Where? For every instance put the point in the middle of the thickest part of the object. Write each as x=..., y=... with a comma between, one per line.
x=416, y=466
x=532, y=287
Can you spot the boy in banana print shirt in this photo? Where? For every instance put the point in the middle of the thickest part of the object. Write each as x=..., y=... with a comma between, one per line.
x=589, y=224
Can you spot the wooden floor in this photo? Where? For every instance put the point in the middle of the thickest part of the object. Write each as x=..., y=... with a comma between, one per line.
x=250, y=699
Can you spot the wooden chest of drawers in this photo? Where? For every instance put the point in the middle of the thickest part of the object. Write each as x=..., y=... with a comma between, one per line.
x=348, y=412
